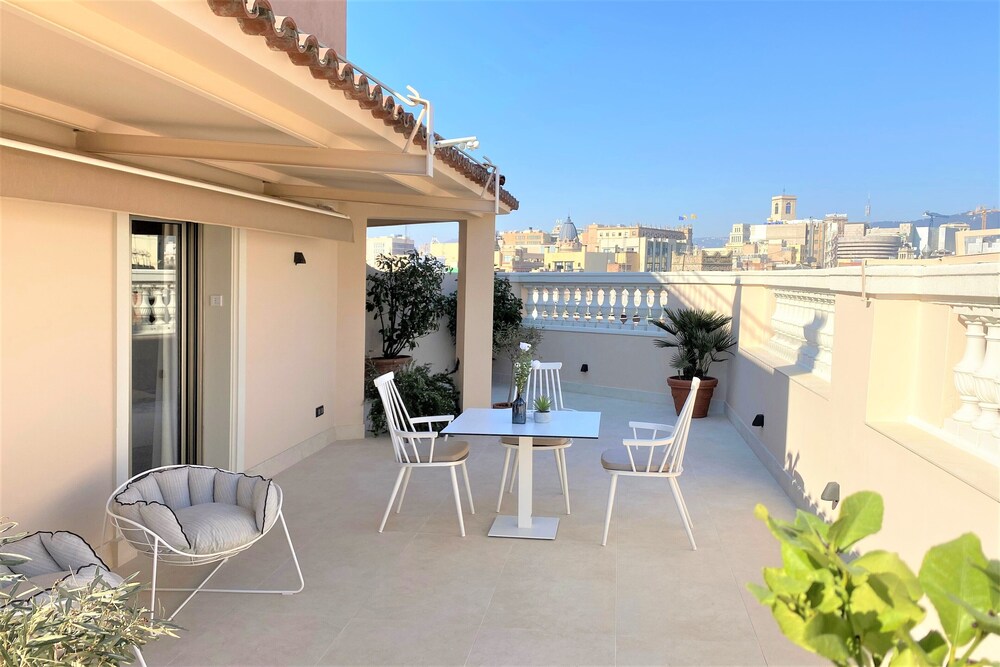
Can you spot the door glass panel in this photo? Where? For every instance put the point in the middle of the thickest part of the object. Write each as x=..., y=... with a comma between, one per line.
x=156, y=437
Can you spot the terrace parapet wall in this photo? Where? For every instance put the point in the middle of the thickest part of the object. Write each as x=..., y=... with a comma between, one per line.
x=881, y=376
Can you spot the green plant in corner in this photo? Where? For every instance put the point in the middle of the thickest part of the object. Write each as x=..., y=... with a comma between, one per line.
x=92, y=625
x=543, y=403
x=700, y=336
x=405, y=295
x=863, y=611
x=423, y=393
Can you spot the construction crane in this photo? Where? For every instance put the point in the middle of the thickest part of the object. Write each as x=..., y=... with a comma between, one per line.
x=932, y=215
x=982, y=211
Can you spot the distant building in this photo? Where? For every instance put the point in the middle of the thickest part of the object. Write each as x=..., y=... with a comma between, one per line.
x=977, y=242
x=638, y=247
x=704, y=259
x=738, y=236
x=783, y=208
x=387, y=245
x=852, y=248
x=446, y=251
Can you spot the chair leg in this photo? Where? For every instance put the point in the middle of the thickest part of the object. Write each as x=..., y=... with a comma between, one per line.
x=555, y=454
x=395, y=490
x=139, y=660
x=565, y=477
x=468, y=488
x=675, y=489
x=513, y=475
x=503, y=477
x=611, y=503
x=402, y=492
x=458, y=500
x=201, y=587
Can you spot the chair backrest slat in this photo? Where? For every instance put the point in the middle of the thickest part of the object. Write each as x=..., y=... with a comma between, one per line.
x=397, y=418
x=673, y=457
x=544, y=381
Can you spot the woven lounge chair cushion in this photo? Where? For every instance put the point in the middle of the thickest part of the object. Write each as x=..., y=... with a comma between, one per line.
x=57, y=558
x=617, y=459
x=199, y=510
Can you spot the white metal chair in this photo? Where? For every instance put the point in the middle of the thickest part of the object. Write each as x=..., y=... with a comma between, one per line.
x=190, y=515
x=621, y=461
x=420, y=449
x=543, y=381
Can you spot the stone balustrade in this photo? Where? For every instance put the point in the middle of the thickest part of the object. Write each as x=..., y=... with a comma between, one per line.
x=154, y=302
x=977, y=380
x=802, y=326
x=593, y=301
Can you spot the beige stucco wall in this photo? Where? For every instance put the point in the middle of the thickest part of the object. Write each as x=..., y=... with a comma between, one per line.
x=57, y=433
x=291, y=342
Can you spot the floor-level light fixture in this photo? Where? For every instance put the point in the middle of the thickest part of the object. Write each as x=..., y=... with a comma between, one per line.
x=299, y=258
x=758, y=420
x=831, y=492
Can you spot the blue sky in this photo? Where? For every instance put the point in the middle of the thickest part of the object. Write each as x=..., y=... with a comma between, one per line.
x=617, y=112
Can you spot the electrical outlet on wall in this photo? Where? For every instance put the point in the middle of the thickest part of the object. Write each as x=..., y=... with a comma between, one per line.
x=319, y=411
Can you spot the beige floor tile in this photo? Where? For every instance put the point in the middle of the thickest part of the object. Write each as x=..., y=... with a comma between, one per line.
x=518, y=646
x=552, y=605
x=652, y=650
x=400, y=642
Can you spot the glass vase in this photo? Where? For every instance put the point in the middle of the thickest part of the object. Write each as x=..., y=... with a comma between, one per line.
x=519, y=411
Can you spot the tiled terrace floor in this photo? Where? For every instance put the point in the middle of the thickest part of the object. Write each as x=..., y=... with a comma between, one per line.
x=420, y=594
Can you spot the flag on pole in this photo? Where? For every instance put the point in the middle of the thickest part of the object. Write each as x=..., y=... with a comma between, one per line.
x=680, y=217
x=693, y=216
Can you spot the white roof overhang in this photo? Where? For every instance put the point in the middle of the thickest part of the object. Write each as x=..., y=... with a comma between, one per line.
x=171, y=88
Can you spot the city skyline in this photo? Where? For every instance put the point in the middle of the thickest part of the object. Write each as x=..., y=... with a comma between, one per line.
x=647, y=111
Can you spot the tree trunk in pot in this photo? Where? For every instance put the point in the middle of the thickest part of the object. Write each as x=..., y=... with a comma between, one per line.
x=680, y=389
x=385, y=365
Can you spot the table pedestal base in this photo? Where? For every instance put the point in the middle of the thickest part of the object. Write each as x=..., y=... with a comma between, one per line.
x=542, y=528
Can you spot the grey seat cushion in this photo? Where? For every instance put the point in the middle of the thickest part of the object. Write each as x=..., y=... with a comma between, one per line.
x=617, y=459
x=537, y=442
x=56, y=558
x=445, y=451
x=60, y=551
x=160, y=500
x=215, y=527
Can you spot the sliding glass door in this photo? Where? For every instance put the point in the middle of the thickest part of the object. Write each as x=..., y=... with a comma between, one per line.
x=163, y=342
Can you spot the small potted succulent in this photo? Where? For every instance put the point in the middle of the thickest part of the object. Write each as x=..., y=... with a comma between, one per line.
x=543, y=409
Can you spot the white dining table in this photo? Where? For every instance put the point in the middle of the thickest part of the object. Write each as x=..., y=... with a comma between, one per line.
x=490, y=422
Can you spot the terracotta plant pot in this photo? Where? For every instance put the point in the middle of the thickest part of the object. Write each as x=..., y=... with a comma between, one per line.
x=385, y=365
x=680, y=389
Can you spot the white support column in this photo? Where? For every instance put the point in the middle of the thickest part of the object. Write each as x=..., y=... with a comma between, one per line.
x=474, y=339
x=349, y=336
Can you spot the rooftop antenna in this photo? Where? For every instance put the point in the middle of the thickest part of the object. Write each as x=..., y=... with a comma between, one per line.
x=868, y=208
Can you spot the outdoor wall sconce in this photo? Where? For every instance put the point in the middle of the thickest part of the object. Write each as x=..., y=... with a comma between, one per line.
x=584, y=368
x=831, y=492
x=299, y=258
x=758, y=420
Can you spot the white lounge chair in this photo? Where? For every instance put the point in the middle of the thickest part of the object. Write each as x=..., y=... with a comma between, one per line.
x=190, y=515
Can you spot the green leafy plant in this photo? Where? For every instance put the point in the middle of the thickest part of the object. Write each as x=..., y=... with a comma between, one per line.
x=91, y=625
x=862, y=611
x=424, y=393
x=700, y=336
x=506, y=314
x=543, y=403
x=522, y=366
x=405, y=297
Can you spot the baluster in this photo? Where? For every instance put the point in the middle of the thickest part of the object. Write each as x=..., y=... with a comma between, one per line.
x=612, y=316
x=965, y=383
x=145, y=307
x=986, y=380
x=600, y=318
x=588, y=295
x=576, y=306
x=533, y=297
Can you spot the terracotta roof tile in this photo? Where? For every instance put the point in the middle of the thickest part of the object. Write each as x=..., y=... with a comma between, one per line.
x=281, y=34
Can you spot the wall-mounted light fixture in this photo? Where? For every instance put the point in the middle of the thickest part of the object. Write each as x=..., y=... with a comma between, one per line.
x=584, y=368
x=831, y=492
x=758, y=420
x=299, y=258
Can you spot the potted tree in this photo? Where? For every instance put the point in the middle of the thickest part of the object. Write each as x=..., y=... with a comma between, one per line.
x=701, y=337
x=405, y=297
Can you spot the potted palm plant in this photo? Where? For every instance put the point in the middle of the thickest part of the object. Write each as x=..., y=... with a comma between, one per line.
x=700, y=337
x=405, y=297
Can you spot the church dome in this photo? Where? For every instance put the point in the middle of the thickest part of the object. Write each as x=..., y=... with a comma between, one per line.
x=567, y=232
